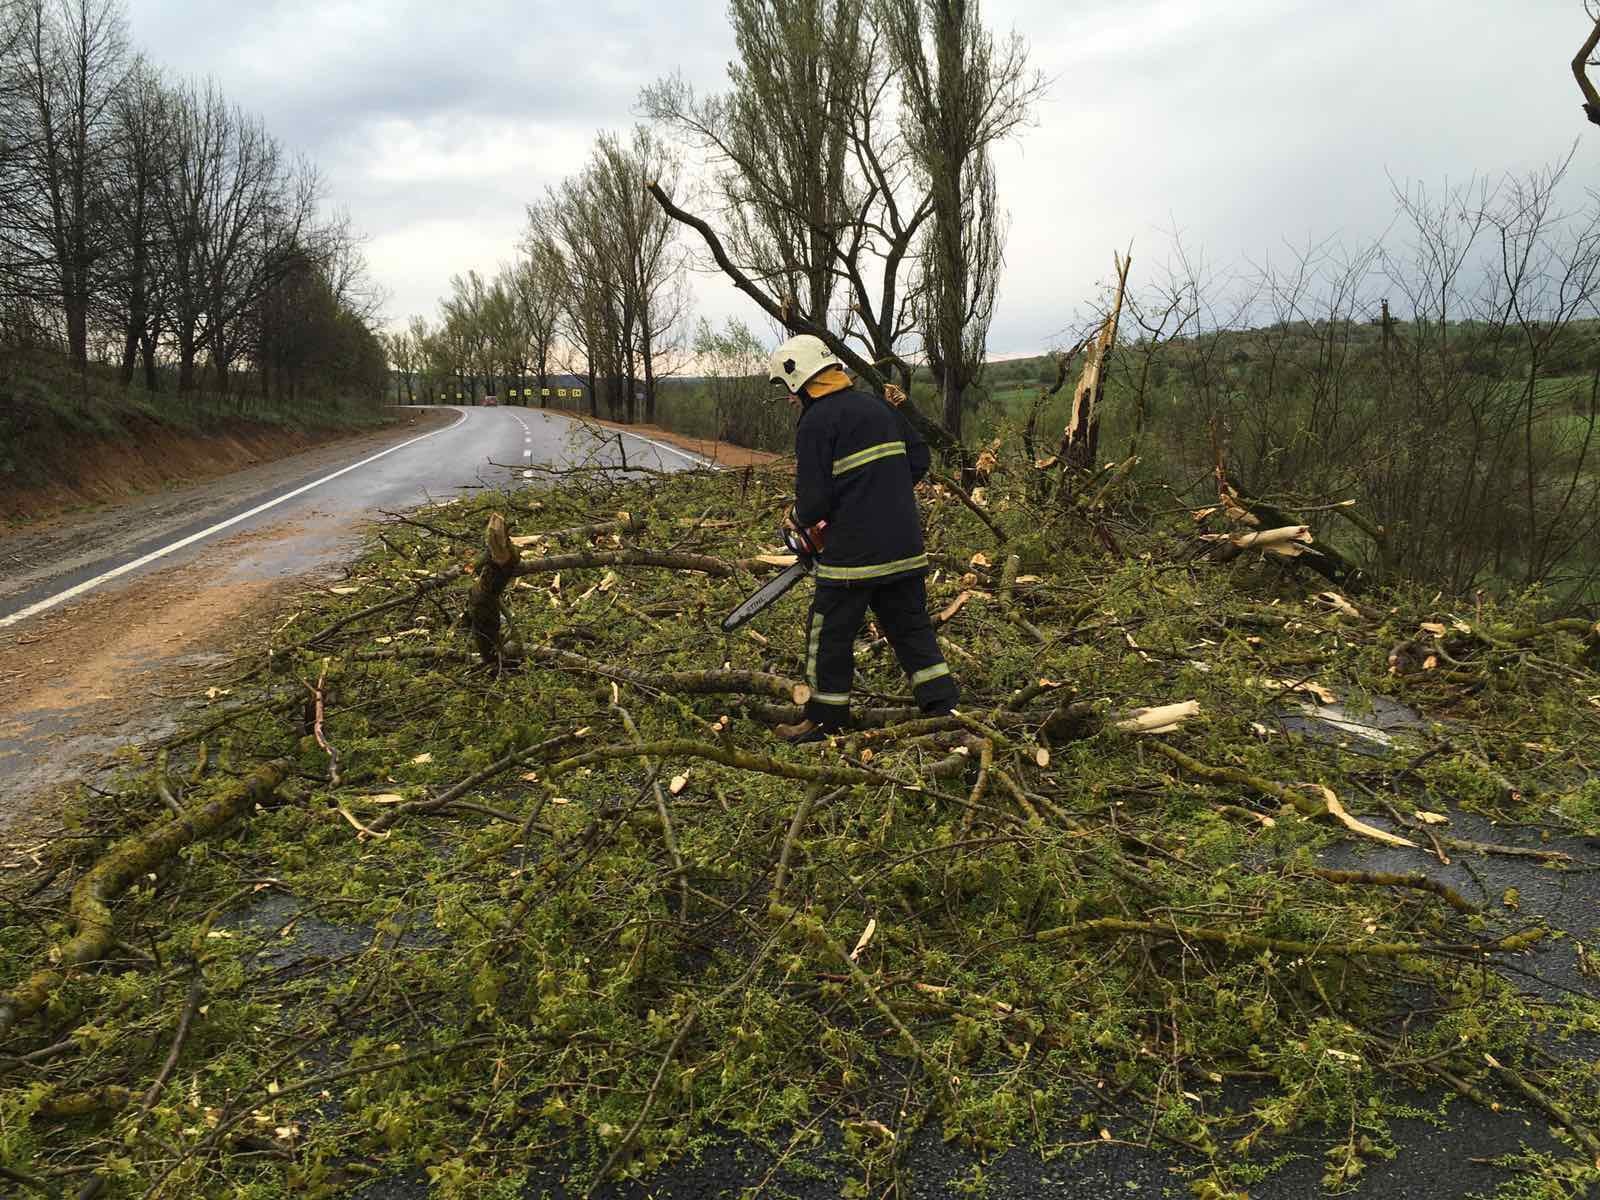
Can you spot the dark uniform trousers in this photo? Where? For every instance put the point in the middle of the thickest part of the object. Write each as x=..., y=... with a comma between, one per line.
x=901, y=606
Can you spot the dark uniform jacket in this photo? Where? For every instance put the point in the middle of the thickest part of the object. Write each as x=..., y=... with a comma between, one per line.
x=856, y=462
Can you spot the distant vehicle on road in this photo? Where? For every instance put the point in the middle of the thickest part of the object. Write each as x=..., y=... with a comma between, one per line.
x=491, y=399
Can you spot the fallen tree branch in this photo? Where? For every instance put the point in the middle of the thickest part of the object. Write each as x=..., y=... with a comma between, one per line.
x=90, y=908
x=1389, y=879
x=627, y=1141
x=499, y=767
x=1556, y=1112
x=728, y=757
x=97, y=1182
x=1296, y=797
x=442, y=580
x=695, y=683
x=234, y=1120
x=667, y=836
x=319, y=712
x=1234, y=939
x=672, y=560
x=961, y=494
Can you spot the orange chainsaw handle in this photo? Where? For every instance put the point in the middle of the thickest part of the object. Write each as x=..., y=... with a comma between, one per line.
x=807, y=542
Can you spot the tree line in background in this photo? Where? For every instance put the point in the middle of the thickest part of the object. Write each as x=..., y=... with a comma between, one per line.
x=148, y=224
x=597, y=291
x=849, y=170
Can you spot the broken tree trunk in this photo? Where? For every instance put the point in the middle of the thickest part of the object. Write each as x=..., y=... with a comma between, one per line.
x=496, y=570
x=1274, y=531
x=1080, y=440
x=1046, y=394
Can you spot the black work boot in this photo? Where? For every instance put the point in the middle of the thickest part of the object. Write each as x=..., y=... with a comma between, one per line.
x=803, y=732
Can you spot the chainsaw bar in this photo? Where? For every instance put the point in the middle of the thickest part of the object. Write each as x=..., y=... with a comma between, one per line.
x=766, y=594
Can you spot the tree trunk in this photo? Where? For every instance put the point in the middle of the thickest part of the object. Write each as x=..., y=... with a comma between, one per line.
x=186, y=353
x=130, y=355
x=147, y=349
x=78, y=331
x=496, y=569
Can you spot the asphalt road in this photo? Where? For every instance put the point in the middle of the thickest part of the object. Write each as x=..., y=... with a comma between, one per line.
x=110, y=619
x=480, y=447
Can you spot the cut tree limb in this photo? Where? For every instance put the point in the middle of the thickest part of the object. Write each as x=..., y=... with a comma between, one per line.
x=670, y=559
x=90, y=908
x=1392, y=879
x=1297, y=797
x=496, y=570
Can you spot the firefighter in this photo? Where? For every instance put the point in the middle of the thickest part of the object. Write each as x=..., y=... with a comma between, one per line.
x=857, y=463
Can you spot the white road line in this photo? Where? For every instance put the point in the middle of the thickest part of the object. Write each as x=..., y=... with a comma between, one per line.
x=88, y=585
x=683, y=454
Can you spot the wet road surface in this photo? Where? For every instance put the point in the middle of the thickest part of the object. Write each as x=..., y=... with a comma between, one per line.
x=105, y=615
x=477, y=447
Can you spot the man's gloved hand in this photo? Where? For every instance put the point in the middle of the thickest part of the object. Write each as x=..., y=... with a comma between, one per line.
x=804, y=542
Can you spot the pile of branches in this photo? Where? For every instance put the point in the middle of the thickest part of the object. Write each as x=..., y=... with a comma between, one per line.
x=574, y=905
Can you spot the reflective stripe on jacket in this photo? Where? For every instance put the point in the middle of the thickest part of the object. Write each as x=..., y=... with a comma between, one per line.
x=857, y=460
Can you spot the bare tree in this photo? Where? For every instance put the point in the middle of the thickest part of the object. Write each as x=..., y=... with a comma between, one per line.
x=135, y=280
x=405, y=358
x=780, y=140
x=819, y=197
x=69, y=60
x=1444, y=379
x=258, y=229
x=537, y=290
x=421, y=339
x=466, y=333
x=139, y=220
x=644, y=260
x=508, y=348
x=15, y=252
x=914, y=93
x=963, y=92
x=601, y=320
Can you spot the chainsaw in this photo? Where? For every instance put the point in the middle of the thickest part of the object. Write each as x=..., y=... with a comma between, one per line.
x=805, y=545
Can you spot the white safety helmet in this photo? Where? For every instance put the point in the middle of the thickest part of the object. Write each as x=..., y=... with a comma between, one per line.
x=800, y=360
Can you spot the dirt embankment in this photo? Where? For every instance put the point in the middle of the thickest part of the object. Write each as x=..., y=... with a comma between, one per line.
x=151, y=457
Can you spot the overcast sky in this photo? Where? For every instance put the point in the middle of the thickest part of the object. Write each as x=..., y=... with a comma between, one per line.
x=1247, y=125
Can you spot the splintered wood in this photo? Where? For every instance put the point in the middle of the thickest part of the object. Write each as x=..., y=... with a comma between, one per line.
x=1080, y=440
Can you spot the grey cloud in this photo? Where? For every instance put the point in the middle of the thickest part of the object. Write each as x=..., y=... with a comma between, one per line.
x=1246, y=124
